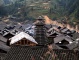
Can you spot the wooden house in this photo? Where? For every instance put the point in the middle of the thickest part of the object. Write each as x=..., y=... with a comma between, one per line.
x=22, y=39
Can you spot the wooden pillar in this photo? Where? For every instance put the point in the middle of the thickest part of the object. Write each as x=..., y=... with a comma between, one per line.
x=24, y=42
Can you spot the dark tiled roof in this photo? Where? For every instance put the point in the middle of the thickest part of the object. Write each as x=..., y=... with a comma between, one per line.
x=40, y=18
x=73, y=45
x=3, y=39
x=48, y=26
x=66, y=54
x=75, y=35
x=37, y=53
x=62, y=37
x=64, y=30
x=39, y=23
x=56, y=46
x=2, y=25
x=18, y=27
x=26, y=53
x=26, y=26
x=4, y=47
x=2, y=56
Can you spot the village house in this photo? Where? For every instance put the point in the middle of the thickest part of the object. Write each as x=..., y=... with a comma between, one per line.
x=47, y=43
x=23, y=39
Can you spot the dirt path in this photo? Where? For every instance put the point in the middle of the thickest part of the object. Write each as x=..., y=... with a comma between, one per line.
x=47, y=20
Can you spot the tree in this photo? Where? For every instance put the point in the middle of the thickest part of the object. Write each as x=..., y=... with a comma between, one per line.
x=2, y=11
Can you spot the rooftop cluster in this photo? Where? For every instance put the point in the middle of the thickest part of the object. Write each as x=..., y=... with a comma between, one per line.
x=38, y=41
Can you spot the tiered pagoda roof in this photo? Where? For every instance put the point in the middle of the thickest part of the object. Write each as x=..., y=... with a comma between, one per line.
x=40, y=33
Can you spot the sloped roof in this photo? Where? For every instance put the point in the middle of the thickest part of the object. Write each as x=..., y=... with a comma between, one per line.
x=64, y=30
x=61, y=37
x=56, y=46
x=21, y=36
x=40, y=53
x=4, y=47
x=40, y=17
x=53, y=31
x=2, y=25
x=26, y=53
x=76, y=35
x=3, y=39
x=48, y=26
x=2, y=56
x=73, y=45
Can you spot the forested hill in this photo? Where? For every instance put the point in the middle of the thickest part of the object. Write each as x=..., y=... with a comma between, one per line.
x=55, y=9
x=66, y=8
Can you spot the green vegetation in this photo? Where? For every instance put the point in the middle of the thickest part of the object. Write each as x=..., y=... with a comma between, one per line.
x=30, y=9
x=2, y=11
x=65, y=8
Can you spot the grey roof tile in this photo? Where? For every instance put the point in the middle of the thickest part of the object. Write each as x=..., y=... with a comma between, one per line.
x=3, y=39
x=38, y=52
x=4, y=47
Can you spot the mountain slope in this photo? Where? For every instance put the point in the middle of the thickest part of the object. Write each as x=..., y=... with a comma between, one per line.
x=68, y=8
